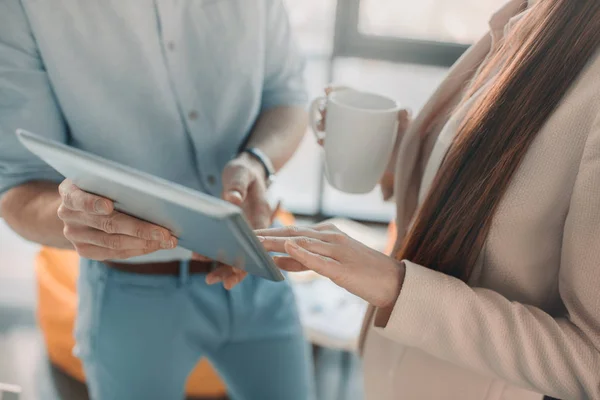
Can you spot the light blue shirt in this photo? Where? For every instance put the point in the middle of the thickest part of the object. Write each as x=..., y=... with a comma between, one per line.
x=171, y=87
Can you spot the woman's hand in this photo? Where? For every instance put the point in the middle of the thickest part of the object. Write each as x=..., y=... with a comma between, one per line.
x=404, y=120
x=350, y=264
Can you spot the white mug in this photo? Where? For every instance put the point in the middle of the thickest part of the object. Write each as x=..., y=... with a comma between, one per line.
x=359, y=136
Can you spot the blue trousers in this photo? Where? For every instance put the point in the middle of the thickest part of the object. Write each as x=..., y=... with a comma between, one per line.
x=139, y=336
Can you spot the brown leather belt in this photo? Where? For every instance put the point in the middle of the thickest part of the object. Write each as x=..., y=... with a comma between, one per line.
x=162, y=268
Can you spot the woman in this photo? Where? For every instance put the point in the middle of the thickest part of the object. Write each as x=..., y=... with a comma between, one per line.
x=494, y=288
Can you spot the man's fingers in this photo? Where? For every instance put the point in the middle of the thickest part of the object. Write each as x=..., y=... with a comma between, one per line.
x=102, y=254
x=320, y=264
x=227, y=274
x=78, y=200
x=217, y=274
x=234, y=279
x=236, y=180
x=86, y=235
x=119, y=223
x=234, y=197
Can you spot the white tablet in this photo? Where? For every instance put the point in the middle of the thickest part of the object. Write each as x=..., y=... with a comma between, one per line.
x=202, y=223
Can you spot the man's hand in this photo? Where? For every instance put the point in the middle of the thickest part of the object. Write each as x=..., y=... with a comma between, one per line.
x=244, y=184
x=98, y=232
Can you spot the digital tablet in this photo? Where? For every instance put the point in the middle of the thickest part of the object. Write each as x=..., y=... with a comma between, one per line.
x=203, y=224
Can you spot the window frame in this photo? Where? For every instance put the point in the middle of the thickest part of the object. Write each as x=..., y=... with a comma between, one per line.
x=350, y=42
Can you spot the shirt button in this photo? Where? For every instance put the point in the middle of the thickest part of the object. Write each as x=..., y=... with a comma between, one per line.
x=193, y=115
x=211, y=179
x=171, y=46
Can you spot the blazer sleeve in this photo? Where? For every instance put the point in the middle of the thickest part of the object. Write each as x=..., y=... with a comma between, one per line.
x=481, y=330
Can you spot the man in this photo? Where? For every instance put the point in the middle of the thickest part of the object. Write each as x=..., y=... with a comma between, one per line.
x=205, y=93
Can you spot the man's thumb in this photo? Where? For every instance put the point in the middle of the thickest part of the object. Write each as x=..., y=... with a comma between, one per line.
x=234, y=197
x=235, y=185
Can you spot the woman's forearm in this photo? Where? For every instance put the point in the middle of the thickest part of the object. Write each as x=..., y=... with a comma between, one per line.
x=31, y=211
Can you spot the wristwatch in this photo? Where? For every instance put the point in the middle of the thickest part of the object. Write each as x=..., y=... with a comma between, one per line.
x=265, y=161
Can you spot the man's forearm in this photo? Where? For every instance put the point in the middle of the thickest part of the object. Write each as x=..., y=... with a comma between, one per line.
x=278, y=132
x=31, y=211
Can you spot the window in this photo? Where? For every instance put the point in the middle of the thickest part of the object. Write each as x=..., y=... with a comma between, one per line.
x=313, y=21
x=459, y=21
x=400, y=48
x=299, y=183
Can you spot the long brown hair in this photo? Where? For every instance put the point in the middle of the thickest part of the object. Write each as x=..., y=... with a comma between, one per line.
x=538, y=62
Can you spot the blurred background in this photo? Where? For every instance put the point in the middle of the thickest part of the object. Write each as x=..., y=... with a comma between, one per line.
x=399, y=48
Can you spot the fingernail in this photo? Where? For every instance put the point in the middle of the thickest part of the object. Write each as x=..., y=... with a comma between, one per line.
x=100, y=206
x=261, y=239
x=167, y=244
x=235, y=195
x=157, y=235
x=293, y=245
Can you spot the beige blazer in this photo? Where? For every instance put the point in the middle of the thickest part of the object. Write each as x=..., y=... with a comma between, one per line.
x=529, y=320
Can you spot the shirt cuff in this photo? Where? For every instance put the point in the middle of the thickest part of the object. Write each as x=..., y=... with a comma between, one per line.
x=424, y=298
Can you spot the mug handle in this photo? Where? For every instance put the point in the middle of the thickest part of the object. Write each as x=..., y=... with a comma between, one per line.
x=315, y=107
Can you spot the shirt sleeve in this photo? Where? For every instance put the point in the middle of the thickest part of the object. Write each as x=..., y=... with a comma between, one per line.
x=284, y=83
x=481, y=330
x=26, y=101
